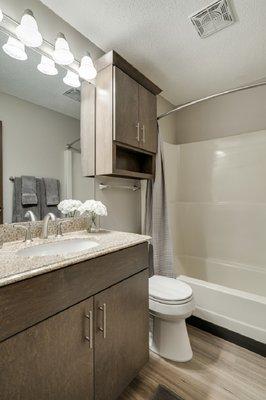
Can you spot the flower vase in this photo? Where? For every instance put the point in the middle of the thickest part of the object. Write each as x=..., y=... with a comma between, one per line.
x=92, y=224
x=95, y=223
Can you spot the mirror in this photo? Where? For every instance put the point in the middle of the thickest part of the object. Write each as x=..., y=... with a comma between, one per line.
x=40, y=116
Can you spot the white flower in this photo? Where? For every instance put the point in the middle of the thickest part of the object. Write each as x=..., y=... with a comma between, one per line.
x=93, y=207
x=69, y=206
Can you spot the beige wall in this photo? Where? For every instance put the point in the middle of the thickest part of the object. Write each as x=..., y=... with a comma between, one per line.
x=228, y=115
x=167, y=126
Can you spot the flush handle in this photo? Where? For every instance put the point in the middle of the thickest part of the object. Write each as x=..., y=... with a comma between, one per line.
x=102, y=328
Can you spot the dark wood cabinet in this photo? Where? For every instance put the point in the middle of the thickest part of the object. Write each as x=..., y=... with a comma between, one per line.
x=125, y=133
x=148, y=124
x=51, y=360
x=134, y=113
x=126, y=113
x=121, y=339
x=85, y=329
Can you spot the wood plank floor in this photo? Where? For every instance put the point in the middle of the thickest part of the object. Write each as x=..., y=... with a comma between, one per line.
x=219, y=371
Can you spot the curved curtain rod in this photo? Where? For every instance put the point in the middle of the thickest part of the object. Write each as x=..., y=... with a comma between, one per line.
x=191, y=103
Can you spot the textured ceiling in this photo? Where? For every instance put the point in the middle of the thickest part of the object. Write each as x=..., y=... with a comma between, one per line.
x=159, y=39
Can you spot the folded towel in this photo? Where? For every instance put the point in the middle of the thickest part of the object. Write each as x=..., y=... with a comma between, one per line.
x=45, y=209
x=19, y=210
x=29, y=190
x=52, y=188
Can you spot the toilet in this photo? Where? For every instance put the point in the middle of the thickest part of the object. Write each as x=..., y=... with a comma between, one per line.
x=170, y=303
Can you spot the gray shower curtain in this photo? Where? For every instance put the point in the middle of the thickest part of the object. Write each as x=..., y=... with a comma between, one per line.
x=156, y=220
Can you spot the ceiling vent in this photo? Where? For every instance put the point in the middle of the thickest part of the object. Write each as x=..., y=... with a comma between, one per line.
x=213, y=18
x=73, y=94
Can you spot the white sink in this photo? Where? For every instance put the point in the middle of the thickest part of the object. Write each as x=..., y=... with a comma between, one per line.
x=59, y=248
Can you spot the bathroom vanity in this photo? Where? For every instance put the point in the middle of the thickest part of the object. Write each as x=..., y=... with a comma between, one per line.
x=75, y=328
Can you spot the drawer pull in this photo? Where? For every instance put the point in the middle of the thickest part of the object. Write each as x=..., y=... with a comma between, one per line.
x=90, y=337
x=143, y=133
x=103, y=327
x=138, y=134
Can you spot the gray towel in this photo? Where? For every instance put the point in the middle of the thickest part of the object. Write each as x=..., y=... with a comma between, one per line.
x=45, y=209
x=52, y=191
x=19, y=211
x=29, y=190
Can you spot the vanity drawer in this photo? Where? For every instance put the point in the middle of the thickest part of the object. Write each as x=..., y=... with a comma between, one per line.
x=28, y=302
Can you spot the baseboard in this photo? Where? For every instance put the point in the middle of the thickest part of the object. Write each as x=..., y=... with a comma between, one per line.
x=230, y=336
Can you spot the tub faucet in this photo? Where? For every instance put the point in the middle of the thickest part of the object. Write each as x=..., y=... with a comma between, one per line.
x=47, y=218
x=31, y=216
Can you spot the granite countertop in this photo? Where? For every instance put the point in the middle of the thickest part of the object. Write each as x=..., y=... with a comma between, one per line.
x=14, y=268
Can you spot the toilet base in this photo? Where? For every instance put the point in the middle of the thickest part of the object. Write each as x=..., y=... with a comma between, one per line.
x=170, y=339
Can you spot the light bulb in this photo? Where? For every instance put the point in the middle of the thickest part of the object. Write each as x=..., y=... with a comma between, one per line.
x=62, y=55
x=27, y=32
x=72, y=79
x=47, y=66
x=15, y=49
x=87, y=70
x=1, y=15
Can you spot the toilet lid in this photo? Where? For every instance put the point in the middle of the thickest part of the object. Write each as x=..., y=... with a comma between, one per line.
x=168, y=290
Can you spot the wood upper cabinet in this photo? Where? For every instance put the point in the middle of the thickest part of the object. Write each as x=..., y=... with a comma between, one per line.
x=126, y=112
x=51, y=360
x=125, y=133
x=121, y=335
x=147, y=120
x=134, y=109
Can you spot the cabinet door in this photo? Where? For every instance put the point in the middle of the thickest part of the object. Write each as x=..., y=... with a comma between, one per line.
x=121, y=337
x=148, y=120
x=125, y=119
x=51, y=360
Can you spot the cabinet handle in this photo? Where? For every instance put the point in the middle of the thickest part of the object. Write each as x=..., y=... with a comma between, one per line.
x=103, y=327
x=90, y=337
x=138, y=135
x=143, y=133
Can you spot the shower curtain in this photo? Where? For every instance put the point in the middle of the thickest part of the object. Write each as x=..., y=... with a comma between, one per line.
x=156, y=220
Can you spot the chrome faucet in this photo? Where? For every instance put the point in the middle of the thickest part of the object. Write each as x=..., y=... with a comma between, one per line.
x=47, y=218
x=31, y=216
x=27, y=229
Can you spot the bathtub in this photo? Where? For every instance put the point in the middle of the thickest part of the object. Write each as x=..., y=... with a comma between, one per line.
x=239, y=311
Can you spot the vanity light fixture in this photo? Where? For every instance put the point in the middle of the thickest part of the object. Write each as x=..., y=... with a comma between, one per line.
x=87, y=71
x=72, y=79
x=28, y=32
x=47, y=66
x=62, y=55
x=15, y=49
x=1, y=15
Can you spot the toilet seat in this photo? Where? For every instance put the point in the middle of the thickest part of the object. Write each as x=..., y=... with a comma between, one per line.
x=169, y=291
x=174, y=303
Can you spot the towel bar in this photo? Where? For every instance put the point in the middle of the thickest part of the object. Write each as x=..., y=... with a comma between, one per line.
x=133, y=188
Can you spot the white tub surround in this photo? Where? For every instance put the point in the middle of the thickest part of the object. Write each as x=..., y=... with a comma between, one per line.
x=218, y=221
